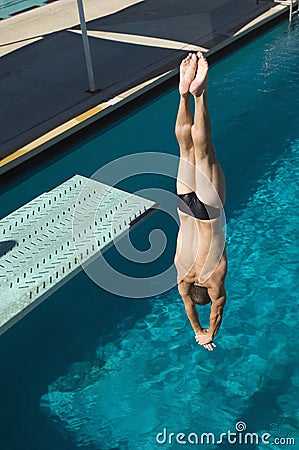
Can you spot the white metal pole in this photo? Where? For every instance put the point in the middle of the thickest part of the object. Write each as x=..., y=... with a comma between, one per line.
x=92, y=87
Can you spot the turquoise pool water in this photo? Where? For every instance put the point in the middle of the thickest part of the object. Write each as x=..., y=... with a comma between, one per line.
x=91, y=370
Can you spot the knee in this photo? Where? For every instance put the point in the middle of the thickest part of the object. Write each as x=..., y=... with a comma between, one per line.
x=183, y=132
x=201, y=138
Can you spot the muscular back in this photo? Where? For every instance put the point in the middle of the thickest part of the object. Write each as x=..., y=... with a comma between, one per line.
x=200, y=254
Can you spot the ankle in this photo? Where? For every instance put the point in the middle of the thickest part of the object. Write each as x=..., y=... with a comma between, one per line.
x=185, y=96
x=200, y=93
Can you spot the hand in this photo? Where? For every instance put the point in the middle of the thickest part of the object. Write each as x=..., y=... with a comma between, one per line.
x=204, y=338
x=210, y=347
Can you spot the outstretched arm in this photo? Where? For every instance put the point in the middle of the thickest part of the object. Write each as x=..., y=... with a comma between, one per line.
x=217, y=307
x=190, y=307
x=218, y=298
x=192, y=314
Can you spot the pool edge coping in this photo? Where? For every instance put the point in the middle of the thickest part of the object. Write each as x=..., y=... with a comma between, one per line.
x=103, y=109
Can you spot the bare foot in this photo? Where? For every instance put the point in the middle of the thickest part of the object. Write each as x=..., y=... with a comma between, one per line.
x=187, y=73
x=200, y=81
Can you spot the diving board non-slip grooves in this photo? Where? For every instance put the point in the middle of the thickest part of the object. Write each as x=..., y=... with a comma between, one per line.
x=48, y=239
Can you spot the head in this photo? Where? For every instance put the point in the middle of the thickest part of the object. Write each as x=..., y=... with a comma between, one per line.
x=199, y=295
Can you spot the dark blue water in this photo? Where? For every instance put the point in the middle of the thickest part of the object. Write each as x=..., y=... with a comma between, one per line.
x=88, y=369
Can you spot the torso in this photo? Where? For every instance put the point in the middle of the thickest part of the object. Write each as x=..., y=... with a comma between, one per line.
x=200, y=256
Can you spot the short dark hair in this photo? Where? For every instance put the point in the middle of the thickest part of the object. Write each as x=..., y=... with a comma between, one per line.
x=199, y=295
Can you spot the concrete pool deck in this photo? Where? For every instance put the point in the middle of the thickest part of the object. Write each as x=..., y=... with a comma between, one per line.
x=135, y=45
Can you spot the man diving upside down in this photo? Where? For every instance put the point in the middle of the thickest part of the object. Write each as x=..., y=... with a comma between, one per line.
x=200, y=254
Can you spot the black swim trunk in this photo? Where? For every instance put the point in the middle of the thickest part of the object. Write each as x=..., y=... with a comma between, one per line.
x=191, y=205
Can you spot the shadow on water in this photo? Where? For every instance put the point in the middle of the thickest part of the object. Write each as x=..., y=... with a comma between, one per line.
x=66, y=328
x=263, y=413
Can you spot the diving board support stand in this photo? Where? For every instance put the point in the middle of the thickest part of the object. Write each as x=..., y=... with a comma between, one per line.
x=86, y=47
x=45, y=242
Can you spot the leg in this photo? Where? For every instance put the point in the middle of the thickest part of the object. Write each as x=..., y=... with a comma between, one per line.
x=183, y=127
x=209, y=179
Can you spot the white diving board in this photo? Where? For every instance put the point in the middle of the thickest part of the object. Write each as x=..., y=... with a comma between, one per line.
x=44, y=243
